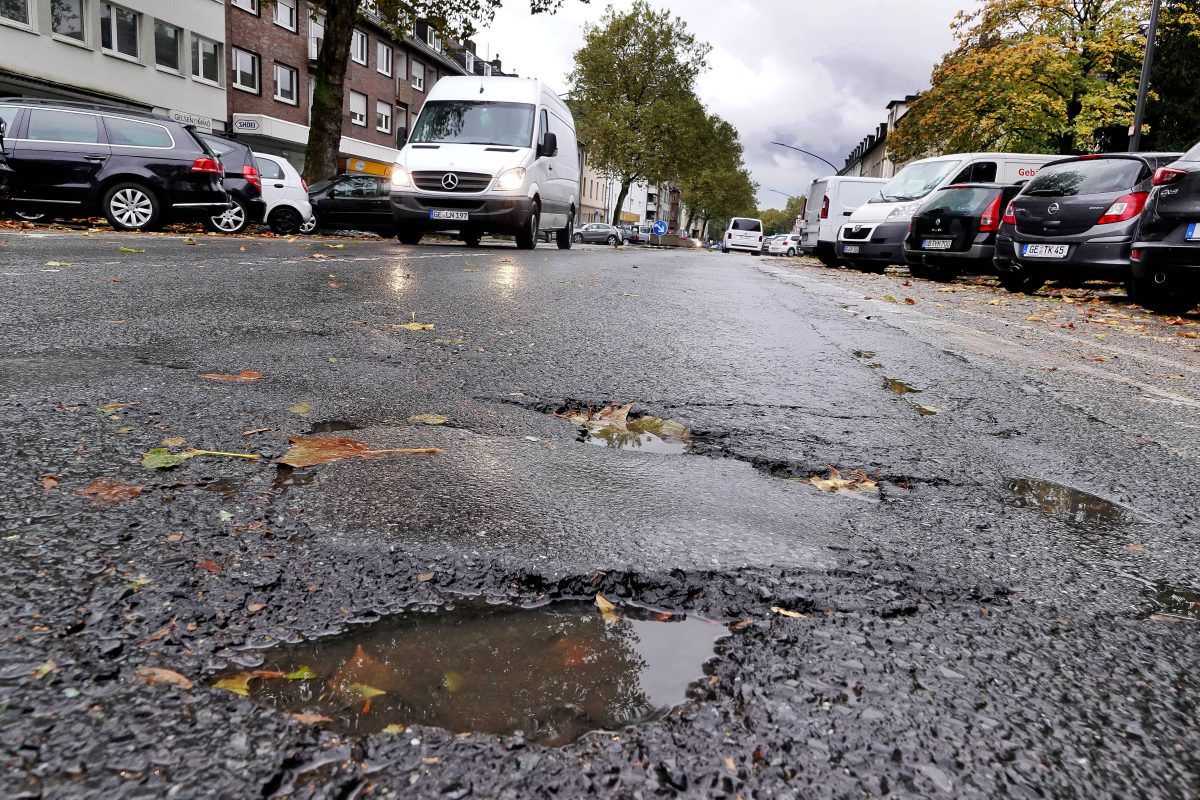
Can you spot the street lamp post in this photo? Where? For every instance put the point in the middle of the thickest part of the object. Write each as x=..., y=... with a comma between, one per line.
x=785, y=194
x=798, y=150
x=1139, y=114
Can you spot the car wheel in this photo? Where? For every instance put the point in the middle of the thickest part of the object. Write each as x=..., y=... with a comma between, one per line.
x=578, y=238
x=309, y=226
x=233, y=220
x=828, y=259
x=1161, y=295
x=563, y=238
x=791, y=251
x=1020, y=283
x=471, y=239
x=612, y=239
x=285, y=221
x=131, y=207
x=411, y=237
x=527, y=239
x=33, y=216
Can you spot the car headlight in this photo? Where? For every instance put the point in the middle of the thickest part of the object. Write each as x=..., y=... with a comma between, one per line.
x=513, y=179
x=904, y=212
x=400, y=177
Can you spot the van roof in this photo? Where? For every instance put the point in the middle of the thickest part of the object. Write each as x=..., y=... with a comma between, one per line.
x=960, y=156
x=497, y=89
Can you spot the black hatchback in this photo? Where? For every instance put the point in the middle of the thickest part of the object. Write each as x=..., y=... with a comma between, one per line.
x=1166, y=250
x=954, y=232
x=137, y=169
x=352, y=203
x=242, y=182
x=1075, y=220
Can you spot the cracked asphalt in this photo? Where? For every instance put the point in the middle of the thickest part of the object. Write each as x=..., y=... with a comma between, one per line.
x=961, y=636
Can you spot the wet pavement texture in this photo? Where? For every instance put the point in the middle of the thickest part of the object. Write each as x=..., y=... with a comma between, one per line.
x=1015, y=616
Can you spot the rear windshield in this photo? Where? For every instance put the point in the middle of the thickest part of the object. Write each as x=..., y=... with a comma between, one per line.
x=1192, y=155
x=746, y=225
x=915, y=181
x=1092, y=176
x=961, y=201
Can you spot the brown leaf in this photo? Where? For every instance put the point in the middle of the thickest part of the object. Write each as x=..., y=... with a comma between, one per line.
x=310, y=719
x=783, y=612
x=1134, y=547
x=1188, y=335
x=158, y=676
x=254, y=608
x=737, y=626
x=256, y=431
x=245, y=376
x=162, y=633
x=424, y=577
x=172, y=441
x=311, y=452
x=109, y=491
x=50, y=482
x=211, y=566
x=360, y=670
x=729, y=765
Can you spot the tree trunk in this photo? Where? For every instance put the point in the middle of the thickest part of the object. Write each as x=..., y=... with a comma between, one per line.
x=329, y=90
x=1066, y=142
x=625, y=184
x=687, y=227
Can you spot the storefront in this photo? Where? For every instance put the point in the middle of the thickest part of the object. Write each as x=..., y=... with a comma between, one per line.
x=288, y=140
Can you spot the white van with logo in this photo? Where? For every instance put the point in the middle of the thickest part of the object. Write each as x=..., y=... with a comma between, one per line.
x=830, y=201
x=874, y=234
x=489, y=155
x=744, y=233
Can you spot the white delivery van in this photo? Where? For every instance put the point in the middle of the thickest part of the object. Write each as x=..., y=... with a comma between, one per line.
x=830, y=201
x=873, y=236
x=744, y=233
x=489, y=155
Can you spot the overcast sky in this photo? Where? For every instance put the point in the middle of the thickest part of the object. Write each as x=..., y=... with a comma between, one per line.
x=812, y=73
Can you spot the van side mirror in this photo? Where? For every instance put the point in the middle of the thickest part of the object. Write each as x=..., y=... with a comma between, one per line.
x=549, y=145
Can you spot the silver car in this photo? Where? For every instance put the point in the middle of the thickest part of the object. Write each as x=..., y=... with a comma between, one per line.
x=599, y=233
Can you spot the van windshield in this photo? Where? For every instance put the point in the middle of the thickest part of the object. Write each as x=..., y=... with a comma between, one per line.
x=474, y=122
x=915, y=181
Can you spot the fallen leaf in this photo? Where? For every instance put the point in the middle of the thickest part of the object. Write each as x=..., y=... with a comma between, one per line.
x=137, y=584
x=158, y=676
x=910, y=301
x=255, y=431
x=424, y=577
x=729, y=765
x=211, y=566
x=189, y=240
x=887, y=298
x=413, y=326
x=50, y=482
x=737, y=626
x=310, y=719
x=162, y=458
x=109, y=491
x=124, y=249
x=224, y=516
x=162, y=633
x=783, y=612
x=663, y=616
x=245, y=376
x=254, y=608
x=1133, y=547
x=125, y=429
x=109, y=408
x=57, y=264
x=607, y=610
x=311, y=452
x=335, y=284
x=857, y=483
x=394, y=729
x=240, y=684
x=300, y=409
x=319, y=257
x=429, y=419
x=336, y=246
x=1188, y=335
x=453, y=681
x=429, y=761
x=45, y=668
x=301, y=673
x=172, y=441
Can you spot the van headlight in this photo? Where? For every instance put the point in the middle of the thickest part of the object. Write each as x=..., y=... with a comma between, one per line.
x=904, y=212
x=513, y=179
x=400, y=177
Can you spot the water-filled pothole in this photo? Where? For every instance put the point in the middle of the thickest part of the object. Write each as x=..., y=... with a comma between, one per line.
x=332, y=426
x=1068, y=504
x=553, y=672
x=900, y=387
x=616, y=428
x=1177, y=601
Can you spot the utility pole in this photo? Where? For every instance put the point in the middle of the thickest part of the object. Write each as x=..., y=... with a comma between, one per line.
x=1139, y=115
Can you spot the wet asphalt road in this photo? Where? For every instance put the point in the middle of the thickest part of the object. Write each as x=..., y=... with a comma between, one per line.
x=962, y=637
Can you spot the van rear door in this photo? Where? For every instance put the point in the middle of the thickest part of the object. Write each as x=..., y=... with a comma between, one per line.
x=746, y=232
x=812, y=213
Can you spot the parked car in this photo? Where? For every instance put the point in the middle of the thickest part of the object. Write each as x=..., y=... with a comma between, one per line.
x=241, y=181
x=830, y=201
x=5, y=170
x=599, y=232
x=633, y=233
x=137, y=169
x=744, y=233
x=1166, y=247
x=766, y=245
x=873, y=235
x=955, y=231
x=786, y=245
x=489, y=155
x=286, y=195
x=352, y=202
x=1075, y=220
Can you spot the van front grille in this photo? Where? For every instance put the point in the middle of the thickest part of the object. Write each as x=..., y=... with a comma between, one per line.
x=437, y=181
x=850, y=233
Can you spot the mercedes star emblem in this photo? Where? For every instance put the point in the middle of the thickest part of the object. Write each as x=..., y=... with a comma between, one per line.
x=1053, y=209
x=450, y=181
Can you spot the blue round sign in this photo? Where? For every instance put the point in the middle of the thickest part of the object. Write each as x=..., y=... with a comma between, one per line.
x=660, y=228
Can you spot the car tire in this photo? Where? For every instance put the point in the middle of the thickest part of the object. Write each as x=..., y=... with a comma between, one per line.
x=527, y=239
x=32, y=216
x=612, y=239
x=411, y=237
x=233, y=220
x=1164, y=297
x=828, y=259
x=1021, y=283
x=563, y=238
x=920, y=271
x=472, y=239
x=131, y=207
x=791, y=251
x=285, y=221
x=311, y=226
x=578, y=238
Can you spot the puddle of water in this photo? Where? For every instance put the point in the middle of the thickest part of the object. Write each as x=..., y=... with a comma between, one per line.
x=332, y=426
x=1177, y=601
x=287, y=478
x=899, y=387
x=632, y=439
x=1068, y=504
x=554, y=672
x=864, y=354
x=226, y=487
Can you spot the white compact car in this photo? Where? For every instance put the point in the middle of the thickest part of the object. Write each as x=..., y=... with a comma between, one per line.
x=786, y=245
x=286, y=195
x=744, y=233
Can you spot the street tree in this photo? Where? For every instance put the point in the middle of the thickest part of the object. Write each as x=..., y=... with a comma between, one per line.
x=1030, y=76
x=455, y=18
x=633, y=83
x=1173, y=115
x=714, y=181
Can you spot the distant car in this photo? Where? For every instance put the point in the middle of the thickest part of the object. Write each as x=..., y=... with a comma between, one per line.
x=139, y=170
x=286, y=195
x=599, y=233
x=1075, y=220
x=744, y=233
x=241, y=181
x=5, y=170
x=1166, y=247
x=633, y=233
x=786, y=245
x=354, y=203
x=766, y=245
x=955, y=230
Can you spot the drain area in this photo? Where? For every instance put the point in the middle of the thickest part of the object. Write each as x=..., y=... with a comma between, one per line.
x=552, y=672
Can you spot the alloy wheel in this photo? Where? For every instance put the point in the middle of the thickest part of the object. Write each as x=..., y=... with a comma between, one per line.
x=232, y=220
x=132, y=208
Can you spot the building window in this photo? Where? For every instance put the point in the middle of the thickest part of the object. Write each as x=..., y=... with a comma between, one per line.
x=316, y=36
x=487, y=69
x=433, y=39
x=469, y=61
x=15, y=11
x=66, y=18
x=383, y=58
x=418, y=76
x=206, y=59
x=245, y=71
x=285, y=14
x=119, y=29
x=358, y=109
x=287, y=83
x=166, y=46
x=358, y=47
x=383, y=117
x=246, y=5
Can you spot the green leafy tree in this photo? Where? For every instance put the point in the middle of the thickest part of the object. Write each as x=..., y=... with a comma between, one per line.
x=633, y=81
x=714, y=181
x=1030, y=75
x=1173, y=115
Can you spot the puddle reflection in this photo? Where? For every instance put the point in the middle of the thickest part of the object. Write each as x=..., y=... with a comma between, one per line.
x=1177, y=601
x=1068, y=504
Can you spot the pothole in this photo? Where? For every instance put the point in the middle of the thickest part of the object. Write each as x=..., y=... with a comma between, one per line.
x=288, y=478
x=617, y=428
x=1176, y=602
x=332, y=426
x=1068, y=504
x=553, y=672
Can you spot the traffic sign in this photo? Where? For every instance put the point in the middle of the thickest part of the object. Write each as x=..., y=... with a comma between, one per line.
x=660, y=227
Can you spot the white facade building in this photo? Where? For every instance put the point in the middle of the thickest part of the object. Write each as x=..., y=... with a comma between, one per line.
x=166, y=56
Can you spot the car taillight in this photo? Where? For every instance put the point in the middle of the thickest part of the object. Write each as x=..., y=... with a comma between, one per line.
x=206, y=165
x=825, y=208
x=1125, y=208
x=1135, y=254
x=990, y=221
x=252, y=176
x=304, y=184
x=1010, y=214
x=728, y=234
x=1165, y=175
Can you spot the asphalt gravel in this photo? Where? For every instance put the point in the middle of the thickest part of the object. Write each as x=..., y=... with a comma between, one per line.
x=957, y=637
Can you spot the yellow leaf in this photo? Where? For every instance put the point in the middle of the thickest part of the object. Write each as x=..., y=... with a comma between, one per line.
x=173, y=441
x=240, y=684
x=394, y=729
x=608, y=611
x=363, y=691
x=414, y=326
x=429, y=419
x=310, y=719
x=301, y=408
x=783, y=612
